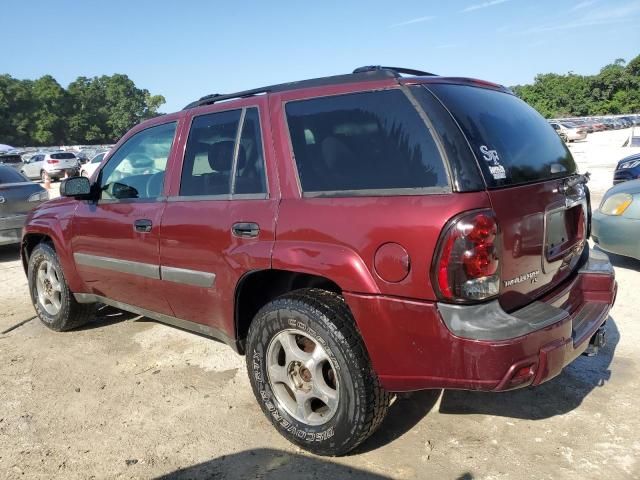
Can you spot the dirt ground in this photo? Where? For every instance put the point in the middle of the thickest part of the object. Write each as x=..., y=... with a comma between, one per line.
x=136, y=399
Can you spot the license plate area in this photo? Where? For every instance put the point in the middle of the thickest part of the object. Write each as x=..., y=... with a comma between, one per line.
x=564, y=229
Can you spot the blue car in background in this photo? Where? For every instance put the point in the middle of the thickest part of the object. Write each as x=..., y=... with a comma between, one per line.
x=627, y=169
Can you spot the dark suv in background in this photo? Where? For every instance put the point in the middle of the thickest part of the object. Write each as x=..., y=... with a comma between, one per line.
x=353, y=235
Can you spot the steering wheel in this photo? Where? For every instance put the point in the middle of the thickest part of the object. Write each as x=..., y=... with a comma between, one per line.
x=154, y=185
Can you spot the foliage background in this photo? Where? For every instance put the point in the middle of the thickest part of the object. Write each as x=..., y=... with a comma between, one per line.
x=89, y=111
x=101, y=109
x=615, y=89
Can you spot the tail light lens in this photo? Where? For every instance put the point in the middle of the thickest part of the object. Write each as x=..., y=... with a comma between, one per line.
x=467, y=266
x=52, y=162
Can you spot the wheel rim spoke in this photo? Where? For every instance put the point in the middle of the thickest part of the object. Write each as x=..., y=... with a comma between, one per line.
x=278, y=374
x=292, y=350
x=48, y=288
x=302, y=377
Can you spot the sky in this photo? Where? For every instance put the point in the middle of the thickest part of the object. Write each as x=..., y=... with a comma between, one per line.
x=186, y=49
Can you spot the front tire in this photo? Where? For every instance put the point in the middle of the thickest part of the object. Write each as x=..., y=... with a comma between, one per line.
x=54, y=303
x=311, y=373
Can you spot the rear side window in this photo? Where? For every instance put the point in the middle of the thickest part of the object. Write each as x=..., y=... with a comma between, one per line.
x=214, y=164
x=9, y=175
x=514, y=144
x=63, y=156
x=363, y=144
x=208, y=159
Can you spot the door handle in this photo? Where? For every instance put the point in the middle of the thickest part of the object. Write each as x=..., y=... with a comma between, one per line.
x=143, y=225
x=245, y=229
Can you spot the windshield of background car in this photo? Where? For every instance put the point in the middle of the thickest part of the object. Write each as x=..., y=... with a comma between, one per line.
x=513, y=143
x=63, y=156
x=9, y=175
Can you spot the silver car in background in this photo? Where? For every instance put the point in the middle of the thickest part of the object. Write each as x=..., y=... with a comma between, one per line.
x=56, y=165
x=569, y=131
x=88, y=168
x=18, y=196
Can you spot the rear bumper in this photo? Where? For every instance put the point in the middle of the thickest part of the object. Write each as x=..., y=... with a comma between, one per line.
x=11, y=229
x=414, y=345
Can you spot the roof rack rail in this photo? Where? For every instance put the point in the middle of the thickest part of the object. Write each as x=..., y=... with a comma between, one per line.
x=396, y=70
x=369, y=73
x=217, y=97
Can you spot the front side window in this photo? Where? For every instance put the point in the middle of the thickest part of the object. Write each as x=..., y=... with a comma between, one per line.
x=363, y=143
x=136, y=170
x=212, y=155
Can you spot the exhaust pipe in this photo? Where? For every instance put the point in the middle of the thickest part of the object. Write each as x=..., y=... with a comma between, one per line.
x=598, y=340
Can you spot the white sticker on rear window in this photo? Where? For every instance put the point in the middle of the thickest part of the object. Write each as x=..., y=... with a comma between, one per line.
x=493, y=159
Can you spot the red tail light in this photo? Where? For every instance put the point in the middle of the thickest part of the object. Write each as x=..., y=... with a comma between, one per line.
x=468, y=261
x=52, y=162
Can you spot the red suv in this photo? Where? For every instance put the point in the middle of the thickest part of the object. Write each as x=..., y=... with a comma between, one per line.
x=352, y=235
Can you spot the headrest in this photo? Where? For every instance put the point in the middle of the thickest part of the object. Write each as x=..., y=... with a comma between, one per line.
x=221, y=156
x=139, y=160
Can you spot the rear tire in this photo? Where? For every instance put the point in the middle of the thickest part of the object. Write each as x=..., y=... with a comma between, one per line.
x=311, y=373
x=54, y=303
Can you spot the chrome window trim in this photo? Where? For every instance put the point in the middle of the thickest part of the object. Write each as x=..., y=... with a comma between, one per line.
x=236, y=150
x=227, y=197
x=379, y=192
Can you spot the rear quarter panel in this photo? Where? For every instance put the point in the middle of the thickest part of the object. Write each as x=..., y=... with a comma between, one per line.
x=338, y=237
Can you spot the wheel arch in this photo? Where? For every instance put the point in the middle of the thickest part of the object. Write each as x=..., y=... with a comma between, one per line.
x=257, y=288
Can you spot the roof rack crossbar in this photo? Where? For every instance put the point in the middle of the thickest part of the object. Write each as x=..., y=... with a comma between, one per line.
x=397, y=70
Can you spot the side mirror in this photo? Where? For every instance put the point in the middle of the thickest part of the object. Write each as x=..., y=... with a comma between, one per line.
x=76, y=187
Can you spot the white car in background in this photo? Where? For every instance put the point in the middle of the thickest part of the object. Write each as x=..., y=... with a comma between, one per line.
x=88, y=168
x=55, y=165
x=569, y=131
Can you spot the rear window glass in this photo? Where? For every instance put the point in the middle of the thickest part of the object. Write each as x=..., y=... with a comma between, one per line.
x=363, y=143
x=62, y=156
x=514, y=144
x=10, y=159
x=9, y=175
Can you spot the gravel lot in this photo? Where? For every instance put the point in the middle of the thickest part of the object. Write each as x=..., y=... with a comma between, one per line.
x=136, y=399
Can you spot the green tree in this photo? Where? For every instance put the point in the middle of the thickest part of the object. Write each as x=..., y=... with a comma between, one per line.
x=615, y=89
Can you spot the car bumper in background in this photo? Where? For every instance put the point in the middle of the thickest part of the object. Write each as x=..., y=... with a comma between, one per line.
x=61, y=172
x=11, y=229
x=616, y=234
x=416, y=345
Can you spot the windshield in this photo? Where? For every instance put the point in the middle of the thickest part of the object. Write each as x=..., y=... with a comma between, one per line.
x=513, y=143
